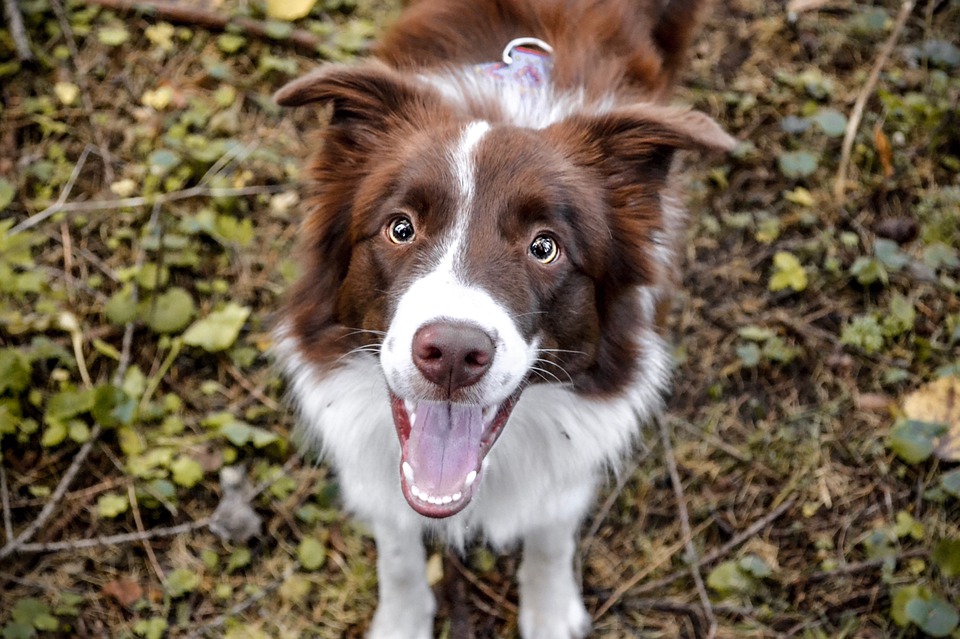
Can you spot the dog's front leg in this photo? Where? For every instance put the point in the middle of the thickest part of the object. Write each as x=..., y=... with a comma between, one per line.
x=406, y=606
x=550, y=602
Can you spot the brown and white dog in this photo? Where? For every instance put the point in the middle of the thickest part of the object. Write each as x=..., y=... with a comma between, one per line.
x=489, y=241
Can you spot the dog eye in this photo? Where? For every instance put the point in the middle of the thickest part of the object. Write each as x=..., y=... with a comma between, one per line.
x=544, y=249
x=400, y=230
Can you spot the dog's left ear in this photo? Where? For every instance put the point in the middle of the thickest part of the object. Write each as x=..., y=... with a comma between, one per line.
x=631, y=152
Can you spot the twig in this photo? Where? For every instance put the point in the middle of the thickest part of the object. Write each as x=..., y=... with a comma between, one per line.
x=255, y=392
x=183, y=14
x=5, y=498
x=142, y=200
x=113, y=540
x=691, y=551
x=135, y=507
x=839, y=186
x=20, y=542
x=711, y=557
x=17, y=31
x=861, y=566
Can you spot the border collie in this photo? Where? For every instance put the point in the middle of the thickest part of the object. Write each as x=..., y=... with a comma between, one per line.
x=489, y=246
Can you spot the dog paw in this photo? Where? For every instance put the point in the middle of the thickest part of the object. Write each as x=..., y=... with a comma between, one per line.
x=389, y=629
x=563, y=622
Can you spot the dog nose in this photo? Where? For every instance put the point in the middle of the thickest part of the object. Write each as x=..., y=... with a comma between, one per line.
x=452, y=355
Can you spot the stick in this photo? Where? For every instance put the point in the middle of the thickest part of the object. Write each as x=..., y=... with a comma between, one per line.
x=711, y=557
x=5, y=499
x=142, y=200
x=135, y=507
x=17, y=31
x=112, y=540
x=839, y=186
x=19, y=543
x=181, y=14
x=691, y=551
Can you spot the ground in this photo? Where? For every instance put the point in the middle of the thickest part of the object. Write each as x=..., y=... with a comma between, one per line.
x=147, y=211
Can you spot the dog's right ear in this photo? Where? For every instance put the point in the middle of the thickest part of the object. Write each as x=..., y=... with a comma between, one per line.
x=367, y=95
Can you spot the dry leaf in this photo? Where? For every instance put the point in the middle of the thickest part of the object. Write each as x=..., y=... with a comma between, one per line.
x=124, y=591
x=882, y=144
x=939, y=403
x=289, y=9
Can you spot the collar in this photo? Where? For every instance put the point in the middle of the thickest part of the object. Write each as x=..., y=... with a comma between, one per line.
x=526, y=62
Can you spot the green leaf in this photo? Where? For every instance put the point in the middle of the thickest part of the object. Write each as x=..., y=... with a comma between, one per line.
x=900, y=597
x=239, y=558
x=112, y=406
x=868, y=270
x=728, y=579
x=170, y=311
x=946, y=557
x=787, y=273
x=311, y=553
x=121, y=308
x=7, y=192
x=182, y=581
x=890, y=255
x=17, y=630
x=907, y=526
x=152, y=628
x=748, y=354
x=186, y=471
x=231, y=42
x=33, y=612
x=111, y=505
x=863, y=332
x=219, y=330
x=69, y=403
x=14, y=370
x=914, y=441
x=53, y=434
x=901, y=317
x=113, y=35
x=951, y=482
x=934, y=616
x=797, y=164
x=755, y=333
x=831, y=122
x=754, y=565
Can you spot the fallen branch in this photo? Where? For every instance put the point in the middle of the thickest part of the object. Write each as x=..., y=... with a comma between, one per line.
x=840, y=185
x=189, y=15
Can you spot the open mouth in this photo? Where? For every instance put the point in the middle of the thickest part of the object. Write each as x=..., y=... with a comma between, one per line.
x=443, y=450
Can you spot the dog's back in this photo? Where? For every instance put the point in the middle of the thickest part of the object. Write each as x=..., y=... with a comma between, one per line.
x=635, y=46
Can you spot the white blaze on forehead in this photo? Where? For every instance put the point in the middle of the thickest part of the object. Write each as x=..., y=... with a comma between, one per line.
x=464, y=172
x=443, y=295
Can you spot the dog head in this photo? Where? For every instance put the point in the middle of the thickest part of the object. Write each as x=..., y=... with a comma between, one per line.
x=476, y=257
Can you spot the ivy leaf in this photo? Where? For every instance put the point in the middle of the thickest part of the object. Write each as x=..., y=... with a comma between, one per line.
x=311, y=553
x=787, y=273
x=219, y=330
x=182, y=581
x=946, y=557
x=934, y=616
x=729, y=578
x=14, y=370
x=914, y=441
x=831, y=122
x=797, y=164
x=863, y=332
x=7, y=192
x=170, y=311
x=113, y=36
x=111, y=505
x=186, y=471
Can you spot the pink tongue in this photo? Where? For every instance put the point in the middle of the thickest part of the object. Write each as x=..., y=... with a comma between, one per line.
x=444, y=446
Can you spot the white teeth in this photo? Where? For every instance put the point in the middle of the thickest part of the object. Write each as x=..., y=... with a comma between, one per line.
x=471, y=476
x=407, y=472
x=410, y=406
x=436, y=501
